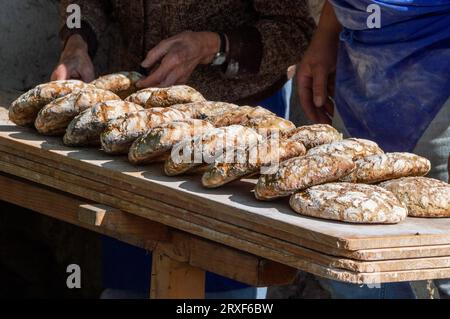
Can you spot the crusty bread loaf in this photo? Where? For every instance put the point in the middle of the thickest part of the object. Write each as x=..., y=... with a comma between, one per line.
x=206, y=109
x=178, y=94
x=157, y=142
x=206, y=148
x=240, y=116
x=354, y=147
x=123, y=83
x=302, y=172
x=122, y=132
x=24, y=110
x=254, y=158
x=54, y=118
x=424, y=197
x=141, y=97
x=382, y=167
x=314, y=135
x=347, y=202
x=85, y=129
x=269, y=124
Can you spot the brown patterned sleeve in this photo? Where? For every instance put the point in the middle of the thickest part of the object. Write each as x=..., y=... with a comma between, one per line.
x=94, y=21
x=276, y=40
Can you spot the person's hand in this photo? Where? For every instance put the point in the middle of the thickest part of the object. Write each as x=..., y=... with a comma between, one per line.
x=74, y=62
x=178, y=57
x=315, y=78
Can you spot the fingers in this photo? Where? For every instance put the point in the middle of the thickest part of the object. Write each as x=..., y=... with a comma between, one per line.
x=60, y=73
x=156, y=54
x=305, y=94
x=320, y=87
x=86, y=72
x=170, y=70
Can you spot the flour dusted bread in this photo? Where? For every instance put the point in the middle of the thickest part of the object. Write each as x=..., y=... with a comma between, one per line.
x=314, y=135
x=302, y=172
x=265, y=155
x=122, y=132
x=382, y=167
x=141, y=97
x=206, y=109
x=123, y=83
x=156, y=143
x=54, y=118
x=178, y=94
x=354, y=147
x=240, y=116
x=206, y=148
x=424, y=197
x=352, y=203
x=85, y=129
x=24, y=110
x=270, y=124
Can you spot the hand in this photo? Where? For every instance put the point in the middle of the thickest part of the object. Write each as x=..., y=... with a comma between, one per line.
x=178, y=57
x=74, y=62
x=316, y=72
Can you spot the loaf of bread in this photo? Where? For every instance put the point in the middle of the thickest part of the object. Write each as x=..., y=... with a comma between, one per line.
x=157, y=143
x=354, y=147
x=178, y=94
x=206, y=109
x=141, y=97
x=54, y=118
x=267, y=155
x=24, y=110
x=302, y=172
x=352, y=203
x=314, y=135
x=122, y=132
x=382, y=167
x=123, y=83
x=240, y=116
x=270, y=124
x=424, y=197
x=206, y=148
x=85, y=129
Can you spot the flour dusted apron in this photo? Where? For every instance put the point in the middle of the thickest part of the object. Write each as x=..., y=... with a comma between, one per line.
x=392, y=81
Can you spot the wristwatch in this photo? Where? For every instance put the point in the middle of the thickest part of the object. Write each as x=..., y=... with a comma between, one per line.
x=221, y=57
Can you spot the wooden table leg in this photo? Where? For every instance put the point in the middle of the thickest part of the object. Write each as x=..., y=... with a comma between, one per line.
x=172, y=279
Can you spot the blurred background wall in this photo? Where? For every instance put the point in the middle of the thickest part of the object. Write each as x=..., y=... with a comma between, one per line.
x=29, y=45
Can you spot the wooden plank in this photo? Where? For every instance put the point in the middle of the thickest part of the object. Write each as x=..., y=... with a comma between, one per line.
x=329, y=267
x=172, y=279
x=234, y=204
x=301, y=252
x=67, y=208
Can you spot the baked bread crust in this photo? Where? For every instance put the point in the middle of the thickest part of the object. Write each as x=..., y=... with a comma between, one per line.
x=352, y=203
x=354, y=147
x=382, y=167
x=314, y=135
x=156, y=143
x=54, y=118
x=178, y=94
x=267, y=124
x=25, y=108
x=255, y=158
x=122, y=132
x=423, y=196
x=299, y=173
x=240, y=116
x=123, y=83
x=206, y=109
x=209, y=146
x=85, y=129
x=141, y=97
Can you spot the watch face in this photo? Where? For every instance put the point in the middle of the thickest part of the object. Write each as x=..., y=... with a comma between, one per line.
x=219, y=59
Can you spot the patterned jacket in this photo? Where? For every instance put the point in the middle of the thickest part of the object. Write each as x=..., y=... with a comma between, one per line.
x=266, y=37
